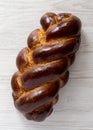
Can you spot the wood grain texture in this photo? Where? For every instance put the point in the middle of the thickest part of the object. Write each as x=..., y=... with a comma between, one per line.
x=74, y=111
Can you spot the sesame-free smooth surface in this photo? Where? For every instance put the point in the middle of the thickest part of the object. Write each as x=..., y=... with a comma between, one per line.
x=74, y=110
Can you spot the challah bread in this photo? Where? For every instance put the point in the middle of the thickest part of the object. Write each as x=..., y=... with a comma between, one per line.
x=43, y=65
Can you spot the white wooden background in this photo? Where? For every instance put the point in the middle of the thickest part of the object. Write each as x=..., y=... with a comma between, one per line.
x=74, y=111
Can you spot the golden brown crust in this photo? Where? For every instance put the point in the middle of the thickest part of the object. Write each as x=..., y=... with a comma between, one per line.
x=37, y=97
x=42, y=66
x=56, y=50
x=21, y=60
x=42, y=74
x=33, y=38
x=41, y=113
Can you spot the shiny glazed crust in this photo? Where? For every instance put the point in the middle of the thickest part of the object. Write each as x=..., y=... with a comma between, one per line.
x=43, y=65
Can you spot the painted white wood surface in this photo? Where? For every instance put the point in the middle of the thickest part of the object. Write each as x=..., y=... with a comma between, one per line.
x=74, y=111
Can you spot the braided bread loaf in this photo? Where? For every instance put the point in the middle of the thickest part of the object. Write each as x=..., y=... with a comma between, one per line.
x=43, y=65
